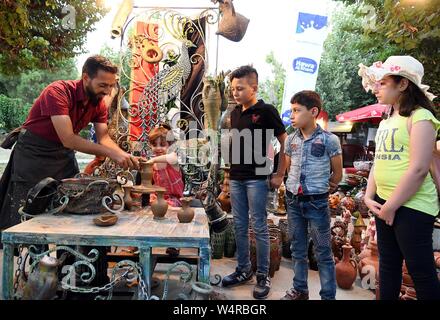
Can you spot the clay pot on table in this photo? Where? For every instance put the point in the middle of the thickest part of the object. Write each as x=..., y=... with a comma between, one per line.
x=186, y=214
x=346, y=269
x=159, y=206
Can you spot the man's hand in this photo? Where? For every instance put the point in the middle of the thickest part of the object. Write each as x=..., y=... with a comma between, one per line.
x=276, y=181
x=125, y=160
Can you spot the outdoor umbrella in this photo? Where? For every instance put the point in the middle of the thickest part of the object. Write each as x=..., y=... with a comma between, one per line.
x=369, y=113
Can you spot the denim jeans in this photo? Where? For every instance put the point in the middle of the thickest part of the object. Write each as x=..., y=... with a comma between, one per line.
x=248, y=197
x=316, y=214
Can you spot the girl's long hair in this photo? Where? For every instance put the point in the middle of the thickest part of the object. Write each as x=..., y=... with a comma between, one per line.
x=412, y=98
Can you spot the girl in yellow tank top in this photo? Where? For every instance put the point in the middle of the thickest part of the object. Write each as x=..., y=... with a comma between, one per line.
x=400, y=191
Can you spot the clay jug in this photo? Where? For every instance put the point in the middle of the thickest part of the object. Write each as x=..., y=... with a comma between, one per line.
x=159, y=206
x=43, y=281
x=128, y=200
x=370, y=263
x=186, y=214
x=225, y=201
x=346, y=269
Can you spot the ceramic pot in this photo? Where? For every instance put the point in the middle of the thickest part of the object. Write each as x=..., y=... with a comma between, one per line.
x=159, y=206
x=346, y=269
x=186, y=214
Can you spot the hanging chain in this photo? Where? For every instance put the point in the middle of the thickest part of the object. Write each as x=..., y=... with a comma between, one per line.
x=18, y=271
x=107, y=287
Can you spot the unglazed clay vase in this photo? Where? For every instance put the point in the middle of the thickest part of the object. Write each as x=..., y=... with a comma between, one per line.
x=370, y=263
x=346, y=269
x=128, y=200
x=159, y=206
x=186, y=214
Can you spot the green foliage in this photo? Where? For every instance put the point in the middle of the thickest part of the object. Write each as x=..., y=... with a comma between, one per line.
x=411, y=25
x=36, y=34
x=271, y=90
x=346, y=46
x=28, y=85
x=13, y=112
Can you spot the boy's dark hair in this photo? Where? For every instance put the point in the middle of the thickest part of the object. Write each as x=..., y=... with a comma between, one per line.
x=412, y=98
x=242, y=72
x=308, y=99
x=97, y=62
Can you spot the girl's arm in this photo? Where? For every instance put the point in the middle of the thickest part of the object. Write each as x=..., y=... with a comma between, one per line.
x=170, y=158
x=422, y=141
x=370, y=192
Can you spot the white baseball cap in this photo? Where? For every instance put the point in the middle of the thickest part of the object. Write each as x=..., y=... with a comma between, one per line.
x=405, y=66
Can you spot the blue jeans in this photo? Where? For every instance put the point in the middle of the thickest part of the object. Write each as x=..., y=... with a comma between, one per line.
x=249, y=197
x=315, y=214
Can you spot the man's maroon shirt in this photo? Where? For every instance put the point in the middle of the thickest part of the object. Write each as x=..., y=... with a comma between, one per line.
x=63, y=98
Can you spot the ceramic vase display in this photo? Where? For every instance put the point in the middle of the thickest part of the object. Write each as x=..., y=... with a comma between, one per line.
x=346, y=269
x=159, y=206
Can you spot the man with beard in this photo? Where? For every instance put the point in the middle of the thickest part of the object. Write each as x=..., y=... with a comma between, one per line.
x=45, y=143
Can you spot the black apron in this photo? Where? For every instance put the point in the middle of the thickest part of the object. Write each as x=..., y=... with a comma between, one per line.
x=32, y=159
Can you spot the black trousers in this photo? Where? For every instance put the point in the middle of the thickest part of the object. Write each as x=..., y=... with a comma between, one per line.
x=409, y=238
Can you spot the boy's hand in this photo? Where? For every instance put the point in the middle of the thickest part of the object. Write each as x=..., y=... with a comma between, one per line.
x=276, y=181
x=332, y=187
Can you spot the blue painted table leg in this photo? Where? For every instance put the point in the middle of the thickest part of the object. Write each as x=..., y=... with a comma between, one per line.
x=204, y=264
x=8, y=271
x=146, y=263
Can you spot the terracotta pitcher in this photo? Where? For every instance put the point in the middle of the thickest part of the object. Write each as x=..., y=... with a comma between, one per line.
x=346, y=269
x=186, y=214
x=159, y=206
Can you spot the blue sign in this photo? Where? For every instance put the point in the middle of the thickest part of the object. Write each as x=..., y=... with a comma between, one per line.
x=306, y=65
x=307, y=20
x=285, y=117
